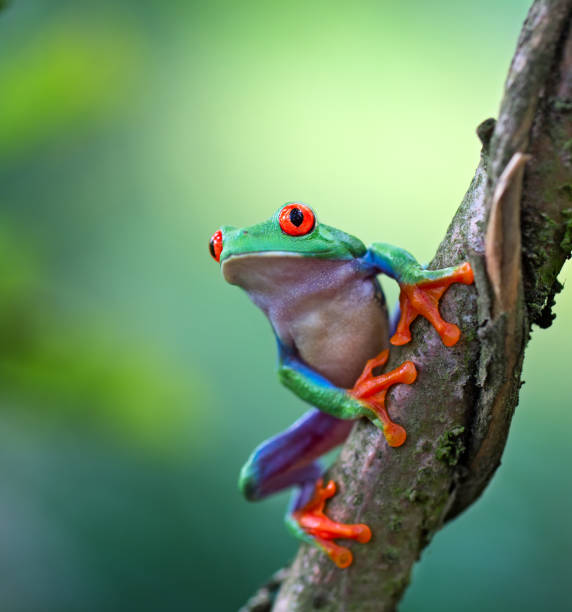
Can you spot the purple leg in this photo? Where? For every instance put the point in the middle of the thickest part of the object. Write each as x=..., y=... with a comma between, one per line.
x=288, y=459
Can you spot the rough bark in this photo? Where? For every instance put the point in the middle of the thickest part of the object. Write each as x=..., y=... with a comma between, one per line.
x=515, y=227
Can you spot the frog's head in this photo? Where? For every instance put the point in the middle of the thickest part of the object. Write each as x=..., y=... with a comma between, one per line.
x=293, y=231
x=289, y=256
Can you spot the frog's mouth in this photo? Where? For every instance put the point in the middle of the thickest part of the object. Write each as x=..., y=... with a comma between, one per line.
x=251, y=255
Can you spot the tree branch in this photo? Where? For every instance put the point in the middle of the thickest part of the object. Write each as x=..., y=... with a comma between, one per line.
x=515, y=226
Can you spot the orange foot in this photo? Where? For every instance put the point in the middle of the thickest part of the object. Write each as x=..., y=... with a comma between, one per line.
x=373, y=389
x=423, y=299
x=315, y=523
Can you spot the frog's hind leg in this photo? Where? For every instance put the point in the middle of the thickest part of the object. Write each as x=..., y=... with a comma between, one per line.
x=307, y=521
x=289, y=459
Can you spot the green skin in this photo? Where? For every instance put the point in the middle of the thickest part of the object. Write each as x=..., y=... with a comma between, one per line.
x=323, y=243
x=321, y=296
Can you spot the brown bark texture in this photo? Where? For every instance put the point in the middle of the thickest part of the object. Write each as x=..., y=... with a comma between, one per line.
x=515, y=227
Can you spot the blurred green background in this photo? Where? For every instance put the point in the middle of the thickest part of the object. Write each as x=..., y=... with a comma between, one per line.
x=133, y=381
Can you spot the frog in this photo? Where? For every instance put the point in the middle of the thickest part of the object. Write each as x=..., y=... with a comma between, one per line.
x=319, y=288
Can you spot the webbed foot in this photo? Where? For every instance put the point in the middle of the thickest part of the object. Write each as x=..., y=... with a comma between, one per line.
x=422, y=298
x=372, y=390
x=322, y=530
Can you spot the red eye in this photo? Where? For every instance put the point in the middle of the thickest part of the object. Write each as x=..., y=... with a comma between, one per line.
x=296, y=219
x=215, y=245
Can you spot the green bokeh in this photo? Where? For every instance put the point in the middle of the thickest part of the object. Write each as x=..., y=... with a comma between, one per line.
x=133, y=381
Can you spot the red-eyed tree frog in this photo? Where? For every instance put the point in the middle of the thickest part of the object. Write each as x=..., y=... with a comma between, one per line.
x=318, y=287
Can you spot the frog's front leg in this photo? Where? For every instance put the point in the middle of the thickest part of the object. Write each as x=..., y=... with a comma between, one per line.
x=289, y=459
x=365, y=399
x=420, y=289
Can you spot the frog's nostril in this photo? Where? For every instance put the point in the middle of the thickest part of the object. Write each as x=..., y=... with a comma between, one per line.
x=215, y=245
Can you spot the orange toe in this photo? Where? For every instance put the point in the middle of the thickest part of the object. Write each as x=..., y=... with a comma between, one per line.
x=371, y=390
x=314, y=522
x=423, y=299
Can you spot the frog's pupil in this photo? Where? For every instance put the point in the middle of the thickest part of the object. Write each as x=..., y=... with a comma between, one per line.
x=211, y=247
x=296, y=216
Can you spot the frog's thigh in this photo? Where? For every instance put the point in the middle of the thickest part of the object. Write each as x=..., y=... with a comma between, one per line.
x=288, y=458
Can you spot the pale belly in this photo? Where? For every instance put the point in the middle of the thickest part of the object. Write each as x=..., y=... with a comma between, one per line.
x=337, y=337
x=330, y=312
